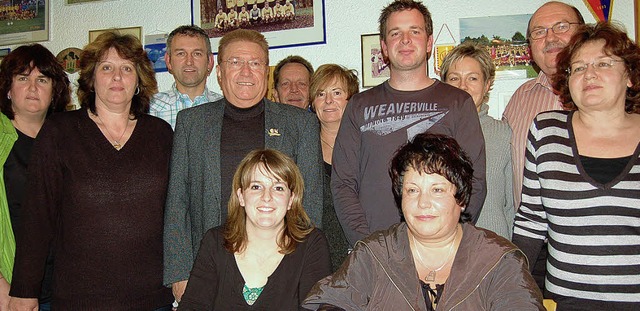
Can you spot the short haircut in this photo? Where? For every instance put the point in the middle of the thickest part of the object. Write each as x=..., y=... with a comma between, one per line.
x=191, y=31
x=242, y=35
x=617, y=43
x=404, y=5
x=297, y=224
x=476, y=52
x=26, y=58
x=288, y=60
x=328, y=73
x=434, y=154
x=129, y=48
x=573, y=8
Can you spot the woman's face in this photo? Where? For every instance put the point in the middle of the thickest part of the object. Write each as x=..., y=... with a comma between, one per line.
x=115, y=80
x=597, y=81
x=330, y=102
x=31, y=93
x=429, y=205
x=466, y=74
x=266, y=200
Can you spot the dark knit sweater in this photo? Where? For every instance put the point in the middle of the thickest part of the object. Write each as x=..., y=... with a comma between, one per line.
x=101, y=211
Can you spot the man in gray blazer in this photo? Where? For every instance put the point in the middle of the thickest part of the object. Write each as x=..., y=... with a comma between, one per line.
x=211, y=139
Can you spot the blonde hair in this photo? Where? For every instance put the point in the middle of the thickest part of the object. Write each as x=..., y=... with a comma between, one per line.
x=328, y=73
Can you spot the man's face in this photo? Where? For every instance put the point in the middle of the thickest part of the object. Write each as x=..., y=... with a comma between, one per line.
x=243, y=86
x=407, y=42
x=189, y=61
x=545, y=50
x=293, y=87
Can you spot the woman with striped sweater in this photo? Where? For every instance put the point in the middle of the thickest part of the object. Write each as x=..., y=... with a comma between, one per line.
x=581, y=187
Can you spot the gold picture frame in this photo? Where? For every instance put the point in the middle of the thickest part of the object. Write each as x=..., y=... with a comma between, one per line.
x=135, y=31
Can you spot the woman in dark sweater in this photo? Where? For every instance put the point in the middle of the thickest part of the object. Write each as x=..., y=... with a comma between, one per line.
x=97, y=192
x=268, y=255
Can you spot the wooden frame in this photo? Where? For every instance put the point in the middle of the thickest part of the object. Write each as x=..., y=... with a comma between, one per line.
x=135, y=31
x=375, y=69
x=29, y=25
x=307, y=28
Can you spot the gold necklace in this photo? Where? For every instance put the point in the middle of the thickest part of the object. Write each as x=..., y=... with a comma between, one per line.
x=431, y=276
x=116, y=143
x=326, y=143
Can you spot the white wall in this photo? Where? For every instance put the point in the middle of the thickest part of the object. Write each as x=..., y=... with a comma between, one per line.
x=346, y=20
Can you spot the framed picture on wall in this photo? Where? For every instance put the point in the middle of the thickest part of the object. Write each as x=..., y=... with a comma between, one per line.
x=135, y=31
x=284, y=23
x=25, y=21
x=374, y=68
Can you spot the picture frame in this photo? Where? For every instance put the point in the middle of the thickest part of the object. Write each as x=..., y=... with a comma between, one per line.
x=306, y=28
x=30, y=24
x=135, y=31
x=375, y=69
x=636, y=9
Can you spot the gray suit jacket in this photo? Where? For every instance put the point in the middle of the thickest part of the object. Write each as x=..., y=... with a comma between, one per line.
x=193, y=199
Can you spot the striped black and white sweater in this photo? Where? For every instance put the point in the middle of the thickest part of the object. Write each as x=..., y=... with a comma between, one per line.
x=593, y=229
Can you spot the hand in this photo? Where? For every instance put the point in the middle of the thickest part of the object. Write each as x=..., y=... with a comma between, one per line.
x=4, y=294
x=23, y=304
x=178, y=289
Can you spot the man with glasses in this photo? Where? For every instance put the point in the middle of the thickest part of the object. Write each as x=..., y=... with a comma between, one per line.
x=550, y=29
x=211, y=139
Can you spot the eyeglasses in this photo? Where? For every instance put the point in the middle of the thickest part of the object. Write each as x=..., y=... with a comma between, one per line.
x=237, y=63
x=605, y=64
x=557, y=28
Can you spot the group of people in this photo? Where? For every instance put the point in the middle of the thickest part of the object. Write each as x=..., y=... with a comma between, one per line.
x=405, y=196
x=254, y=15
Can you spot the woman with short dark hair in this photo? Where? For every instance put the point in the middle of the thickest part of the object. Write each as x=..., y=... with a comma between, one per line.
x=35, y=85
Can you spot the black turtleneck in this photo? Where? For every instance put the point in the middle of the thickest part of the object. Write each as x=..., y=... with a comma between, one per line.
x=242, y=131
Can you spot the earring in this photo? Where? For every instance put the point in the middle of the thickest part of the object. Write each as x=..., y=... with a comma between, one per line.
x=137, y=90
x=8, y=96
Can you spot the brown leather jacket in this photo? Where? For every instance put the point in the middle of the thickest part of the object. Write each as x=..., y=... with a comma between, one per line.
x=488, y=273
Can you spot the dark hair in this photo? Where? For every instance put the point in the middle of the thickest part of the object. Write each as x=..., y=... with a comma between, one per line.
x=434, y=154
x=129, y=48
x=296, y=221
x=616, y=43
x=288, y=60
x=573, y=8
x=328, y=73
x=23, y=60
x=191, y=31
x=404, y=5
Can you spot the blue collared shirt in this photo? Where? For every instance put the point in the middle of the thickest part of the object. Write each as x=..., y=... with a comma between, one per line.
x=166, y=105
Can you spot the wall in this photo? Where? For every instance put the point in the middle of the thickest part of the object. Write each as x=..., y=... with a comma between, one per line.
x=345, y=20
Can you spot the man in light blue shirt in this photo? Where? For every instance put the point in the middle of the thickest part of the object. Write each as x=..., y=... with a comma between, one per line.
x=190, y=61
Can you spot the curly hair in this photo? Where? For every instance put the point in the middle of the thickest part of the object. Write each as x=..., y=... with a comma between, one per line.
x=328, y=73
x=128, y=47
x=616, y=43
x=297, y=224
x=434, y=154
x=26, y=58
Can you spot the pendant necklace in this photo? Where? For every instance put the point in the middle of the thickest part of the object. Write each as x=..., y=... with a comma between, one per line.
x=116, y=143
x=326, y=143
x=431, y=276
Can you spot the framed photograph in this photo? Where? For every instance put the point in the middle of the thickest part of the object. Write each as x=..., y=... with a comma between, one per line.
x=505, y=39
x=135, y=31
x=27, y=21
x=284, y=23
x=636, y=6
x=375, y=69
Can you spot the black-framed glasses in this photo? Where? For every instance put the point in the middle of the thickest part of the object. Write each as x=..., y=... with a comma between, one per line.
x=600, y=65
x=557, y=28
x=237, y=63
